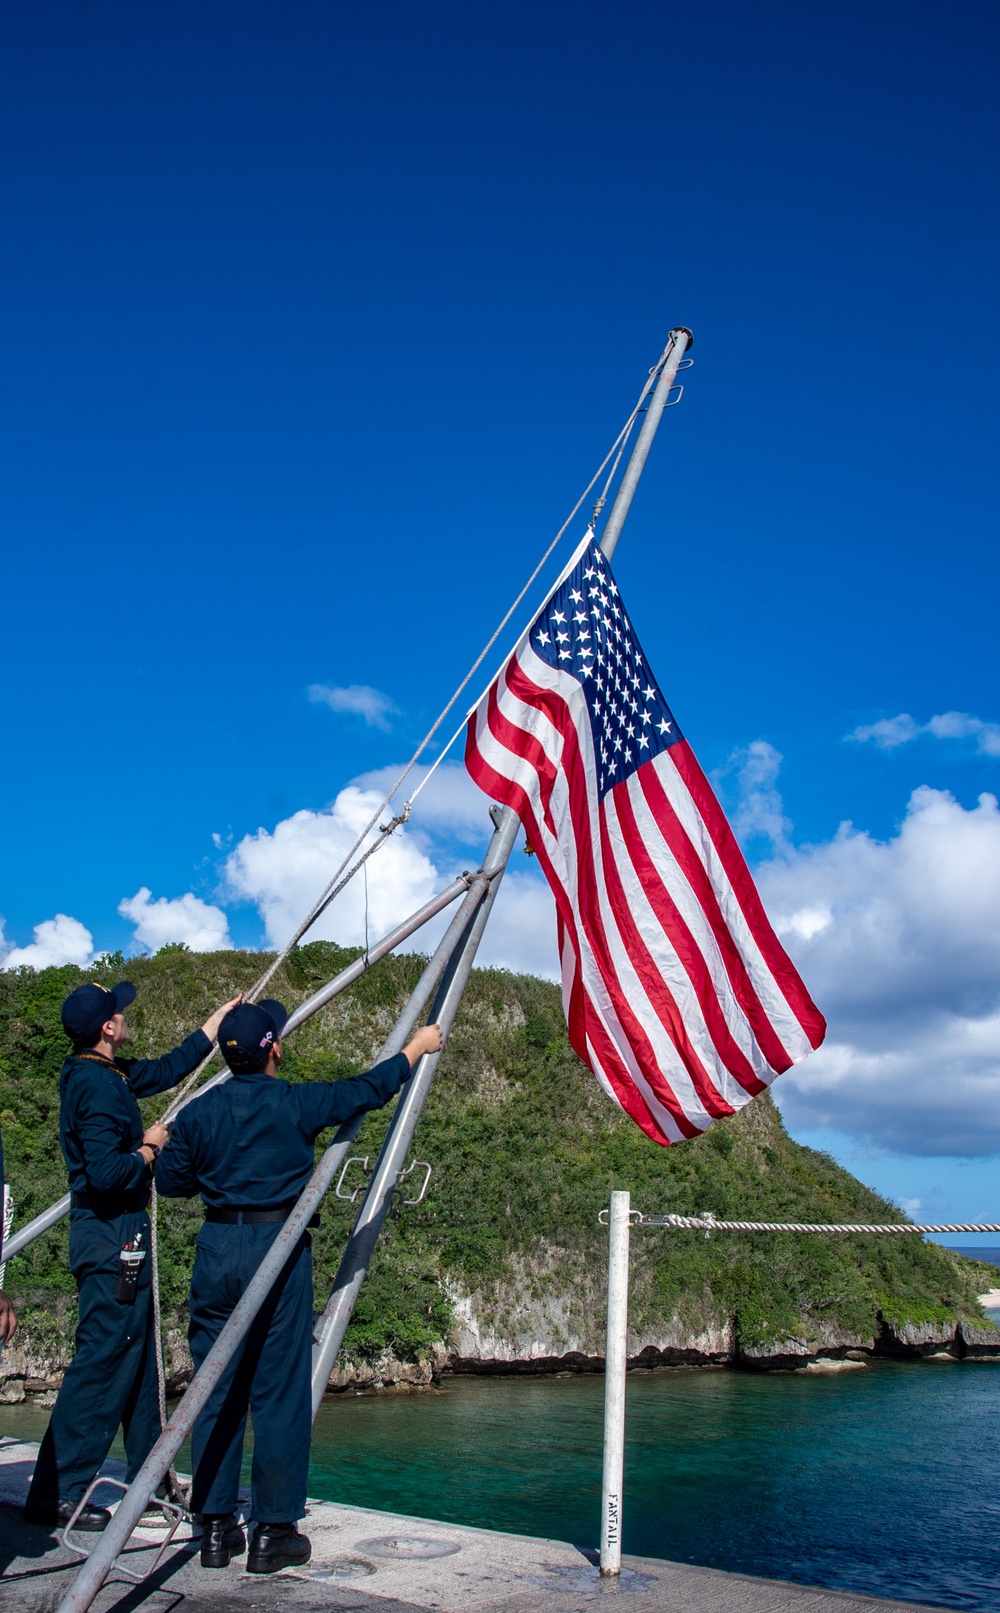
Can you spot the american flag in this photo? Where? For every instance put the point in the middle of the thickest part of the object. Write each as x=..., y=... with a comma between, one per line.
x=677, y=992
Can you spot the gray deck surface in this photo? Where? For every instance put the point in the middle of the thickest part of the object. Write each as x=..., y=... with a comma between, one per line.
x=365, y=1561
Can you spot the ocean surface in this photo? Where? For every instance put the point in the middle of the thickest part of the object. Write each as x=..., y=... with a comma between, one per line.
x=884, y=1480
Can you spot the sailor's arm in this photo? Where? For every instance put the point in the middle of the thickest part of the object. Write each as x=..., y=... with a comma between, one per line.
x=340, y=1100
x=148, y=1076
x=110, y=1166
x=175, y=1173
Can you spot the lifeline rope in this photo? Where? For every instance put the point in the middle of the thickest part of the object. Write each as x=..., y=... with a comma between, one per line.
x=708, y=1223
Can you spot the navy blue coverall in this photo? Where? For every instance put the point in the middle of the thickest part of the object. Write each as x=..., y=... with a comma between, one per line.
x=112, y=1377
x=249, y=1145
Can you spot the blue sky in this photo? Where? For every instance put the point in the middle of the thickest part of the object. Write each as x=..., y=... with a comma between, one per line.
x=317, y=320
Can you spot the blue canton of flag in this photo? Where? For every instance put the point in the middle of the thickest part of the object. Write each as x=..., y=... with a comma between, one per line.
x=584, y=629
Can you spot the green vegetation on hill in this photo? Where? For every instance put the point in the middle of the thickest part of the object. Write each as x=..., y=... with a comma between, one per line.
x=525, y=1149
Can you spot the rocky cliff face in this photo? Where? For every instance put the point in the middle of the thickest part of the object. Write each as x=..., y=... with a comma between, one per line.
x=538, y=1334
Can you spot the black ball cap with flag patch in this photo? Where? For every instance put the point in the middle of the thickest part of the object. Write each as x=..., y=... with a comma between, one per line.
x=249, y=1031
x=89, y=1007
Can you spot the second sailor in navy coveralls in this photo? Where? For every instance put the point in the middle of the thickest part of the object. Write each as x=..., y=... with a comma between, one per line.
x=110, y=1157
x=248, y=1148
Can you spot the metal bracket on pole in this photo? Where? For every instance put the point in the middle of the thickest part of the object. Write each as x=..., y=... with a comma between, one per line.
x=408, y=1171
x=172, y=1515
x=355, y=1159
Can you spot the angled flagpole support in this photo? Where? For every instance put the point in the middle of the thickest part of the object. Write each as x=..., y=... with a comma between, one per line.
x=340, y=982
x=444, y=978
x=464, y=943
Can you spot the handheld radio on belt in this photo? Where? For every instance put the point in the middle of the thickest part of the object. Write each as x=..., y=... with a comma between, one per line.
x=130, y=1265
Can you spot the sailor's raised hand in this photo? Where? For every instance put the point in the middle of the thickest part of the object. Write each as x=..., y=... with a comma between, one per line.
x=211, y=1025
x=427, y=1040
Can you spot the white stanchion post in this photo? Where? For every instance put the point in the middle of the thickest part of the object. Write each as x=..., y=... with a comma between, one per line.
x=615, y=1362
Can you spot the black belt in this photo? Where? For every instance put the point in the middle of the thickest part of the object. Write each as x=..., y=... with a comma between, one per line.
x=251, y=1217
x=112, y=1204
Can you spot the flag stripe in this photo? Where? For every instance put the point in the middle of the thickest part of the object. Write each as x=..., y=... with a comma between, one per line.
x=660, y=819
x=782, y=969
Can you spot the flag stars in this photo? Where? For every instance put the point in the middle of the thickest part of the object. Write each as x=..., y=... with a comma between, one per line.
x=585, y=632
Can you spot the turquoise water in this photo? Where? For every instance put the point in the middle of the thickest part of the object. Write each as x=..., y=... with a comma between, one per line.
x=885, y=1479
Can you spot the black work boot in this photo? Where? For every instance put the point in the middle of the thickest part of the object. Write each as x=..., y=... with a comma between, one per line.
x=222, y=1538
x=56, y=1515
x=277, y=1545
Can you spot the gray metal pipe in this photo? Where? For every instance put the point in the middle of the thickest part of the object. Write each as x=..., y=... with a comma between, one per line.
x=466, y=934
x=119, y=1531
x=679, y=342
x=133, y=1504
x=33, y=1229
x=345, y=978
x=55, y=1212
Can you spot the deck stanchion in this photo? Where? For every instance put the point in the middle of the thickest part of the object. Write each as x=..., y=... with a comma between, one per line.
x=615, y=1364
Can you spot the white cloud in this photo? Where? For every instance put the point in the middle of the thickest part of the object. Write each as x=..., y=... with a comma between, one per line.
x=759, y=813
x=358, y=699
x=283, y=872
x=899, y=943
x=185, y=918
x=891, y=732
x=57, y=940
x=521, y=933
x=450, y=806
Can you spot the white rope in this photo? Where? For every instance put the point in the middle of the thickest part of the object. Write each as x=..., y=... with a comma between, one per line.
x=708, y=1223
x=620, y=445
x=177, y=1490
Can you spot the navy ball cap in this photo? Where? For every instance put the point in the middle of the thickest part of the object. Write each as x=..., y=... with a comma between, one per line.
x=89, y=1007
x=249, y=1031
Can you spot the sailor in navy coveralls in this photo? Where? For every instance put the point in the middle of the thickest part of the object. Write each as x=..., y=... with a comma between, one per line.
x=248, y=1148
x=110, y=1157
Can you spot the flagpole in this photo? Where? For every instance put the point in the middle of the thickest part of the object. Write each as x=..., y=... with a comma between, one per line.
x=677, y=345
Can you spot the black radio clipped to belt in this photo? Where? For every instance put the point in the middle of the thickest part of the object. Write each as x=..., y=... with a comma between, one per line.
x=129, y=1266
